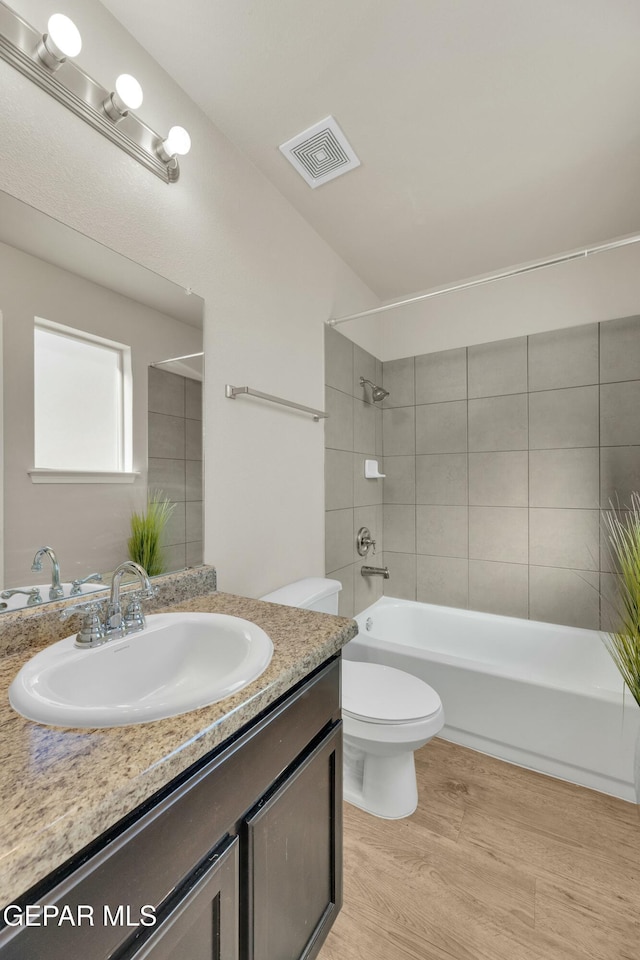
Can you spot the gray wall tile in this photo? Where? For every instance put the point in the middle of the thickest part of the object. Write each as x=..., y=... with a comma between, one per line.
x=620, y=350
x=346, y=606
x=194, y=553
x=194, y=521
x=608, y=561
x=338, y=479
x=441, y=427
x=399, y=431
x=166, y=436
x=564, y=418
x=564, y=538
x=441, y=478
x=338, y=361
x=499, y=479
x=402, y=575
x=193, y=439
x=564, y=358
x=365, y=491
x=535, y=480
x=174, y=448
x=399, y=528
x=564, y=478
x=443, y=580
x=338, y=428
x=366, y=589
x=193, y=399
x=175, y=557
x=193, y=477
x=501, y=588
x=377, y=413
x=611, y=606
x=338, y=539
x=174, y=532
x=167, y=476
x=441, y=376
x=399, y=379
x=499, y=533
x=442, y=531
x=620, y=414
x=399, y=485
x=364, y=427
x=564, y=596
x=499, y=423
x=166, y=392
x=498, y=368
x=619, y=475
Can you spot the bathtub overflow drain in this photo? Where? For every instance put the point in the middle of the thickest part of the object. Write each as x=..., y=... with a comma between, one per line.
x=369, y=623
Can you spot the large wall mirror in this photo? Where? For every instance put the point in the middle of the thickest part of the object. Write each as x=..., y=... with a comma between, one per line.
x=102, y=371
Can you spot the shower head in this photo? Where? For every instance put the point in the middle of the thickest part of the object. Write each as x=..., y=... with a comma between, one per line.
x=377, y=393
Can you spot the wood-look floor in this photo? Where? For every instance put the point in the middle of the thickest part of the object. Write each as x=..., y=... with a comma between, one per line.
x=497, y=863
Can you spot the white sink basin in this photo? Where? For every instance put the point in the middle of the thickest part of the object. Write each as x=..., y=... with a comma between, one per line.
x=179, y=662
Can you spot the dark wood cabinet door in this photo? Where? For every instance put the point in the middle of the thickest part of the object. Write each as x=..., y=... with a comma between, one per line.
x=203, y=924
x=294, y=843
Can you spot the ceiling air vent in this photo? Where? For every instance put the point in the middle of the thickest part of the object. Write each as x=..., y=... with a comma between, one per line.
x=320, y=153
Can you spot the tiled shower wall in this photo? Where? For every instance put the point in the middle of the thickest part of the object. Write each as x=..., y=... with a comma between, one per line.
x=498, y=459
x=175, y=462
x=353, y=433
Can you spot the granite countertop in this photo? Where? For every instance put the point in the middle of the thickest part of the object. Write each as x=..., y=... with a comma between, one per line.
x=62, y=788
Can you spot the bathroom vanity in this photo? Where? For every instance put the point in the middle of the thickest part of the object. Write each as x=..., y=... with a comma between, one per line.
x=234, y=854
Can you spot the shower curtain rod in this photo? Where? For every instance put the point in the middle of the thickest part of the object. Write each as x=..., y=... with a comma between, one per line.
x=491, y=278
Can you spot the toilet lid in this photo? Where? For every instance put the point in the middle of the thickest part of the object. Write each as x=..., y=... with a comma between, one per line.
x=385, y=695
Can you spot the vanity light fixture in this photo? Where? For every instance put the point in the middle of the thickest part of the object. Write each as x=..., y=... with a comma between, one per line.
x=127, y=96
x=40, y=56
x=62, y=40
x=178, y=143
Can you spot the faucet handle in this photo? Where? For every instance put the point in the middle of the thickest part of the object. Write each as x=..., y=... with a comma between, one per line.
x=134, y=618
x=92, y=632
x=76, y=585
x=33, y=594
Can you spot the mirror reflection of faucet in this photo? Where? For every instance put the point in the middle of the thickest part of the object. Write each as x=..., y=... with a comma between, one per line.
x=56, y=591
x=33, y=594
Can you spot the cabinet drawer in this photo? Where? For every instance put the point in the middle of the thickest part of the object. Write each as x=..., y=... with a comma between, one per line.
x=150, y=858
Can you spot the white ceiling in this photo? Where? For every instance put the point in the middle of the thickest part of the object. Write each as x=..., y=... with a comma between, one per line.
x=490, y=133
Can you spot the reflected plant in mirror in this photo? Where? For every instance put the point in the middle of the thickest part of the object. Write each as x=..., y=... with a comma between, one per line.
x=147, y=529
x=77, y=490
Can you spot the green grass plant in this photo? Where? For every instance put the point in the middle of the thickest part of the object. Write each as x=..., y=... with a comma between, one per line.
x=146, y=533
x=623, y=529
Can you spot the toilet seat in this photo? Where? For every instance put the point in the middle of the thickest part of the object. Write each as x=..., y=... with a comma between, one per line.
x=372, y=693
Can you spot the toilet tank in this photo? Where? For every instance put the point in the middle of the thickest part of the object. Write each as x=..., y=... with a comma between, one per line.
x=311, y=593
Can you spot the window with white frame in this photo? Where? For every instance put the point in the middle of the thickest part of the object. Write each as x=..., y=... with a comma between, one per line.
x=82, y=398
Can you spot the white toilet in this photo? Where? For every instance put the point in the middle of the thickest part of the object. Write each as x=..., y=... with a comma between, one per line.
x=387, y=714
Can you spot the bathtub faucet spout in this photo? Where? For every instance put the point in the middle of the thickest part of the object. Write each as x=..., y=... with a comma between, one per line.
x=376, y=572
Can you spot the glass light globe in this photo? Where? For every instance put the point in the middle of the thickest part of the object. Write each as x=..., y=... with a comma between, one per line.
x=65, y=35
x=129, y=91
x=178, y=142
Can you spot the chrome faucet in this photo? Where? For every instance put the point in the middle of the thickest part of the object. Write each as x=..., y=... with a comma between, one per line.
x=56, y=591
x=98, y=626
x=116, y=624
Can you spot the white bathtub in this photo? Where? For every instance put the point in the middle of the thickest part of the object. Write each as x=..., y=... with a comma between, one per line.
x=543, y=696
